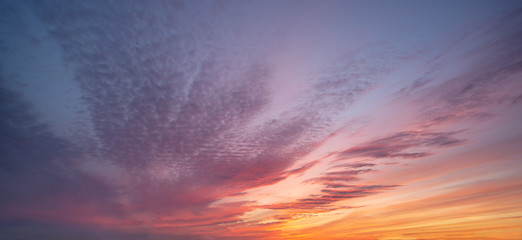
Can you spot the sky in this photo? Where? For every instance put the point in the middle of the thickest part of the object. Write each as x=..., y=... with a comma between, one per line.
x=231, y=120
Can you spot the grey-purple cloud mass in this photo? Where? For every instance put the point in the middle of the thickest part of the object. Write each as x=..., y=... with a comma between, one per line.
x=176, y=112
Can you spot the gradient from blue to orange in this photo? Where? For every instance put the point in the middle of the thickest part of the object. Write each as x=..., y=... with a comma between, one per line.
x=261, y=120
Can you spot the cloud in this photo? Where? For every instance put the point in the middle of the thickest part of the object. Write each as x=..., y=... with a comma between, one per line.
x=179, y=116
x=394, y=146
x=330, y=194
x=172, y=108
x=338, y=183
x=490, y=58
x=303, y=168
x=176, y=115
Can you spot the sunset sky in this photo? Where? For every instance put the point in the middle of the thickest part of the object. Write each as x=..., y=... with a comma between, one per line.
x=260, y=119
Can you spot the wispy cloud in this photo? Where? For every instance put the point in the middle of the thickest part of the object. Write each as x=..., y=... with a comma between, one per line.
x=395, y=145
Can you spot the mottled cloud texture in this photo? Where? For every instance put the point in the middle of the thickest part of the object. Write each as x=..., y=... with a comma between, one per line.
x=258, y=119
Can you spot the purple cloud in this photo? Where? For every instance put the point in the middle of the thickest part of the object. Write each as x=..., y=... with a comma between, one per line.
x=179, y=113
